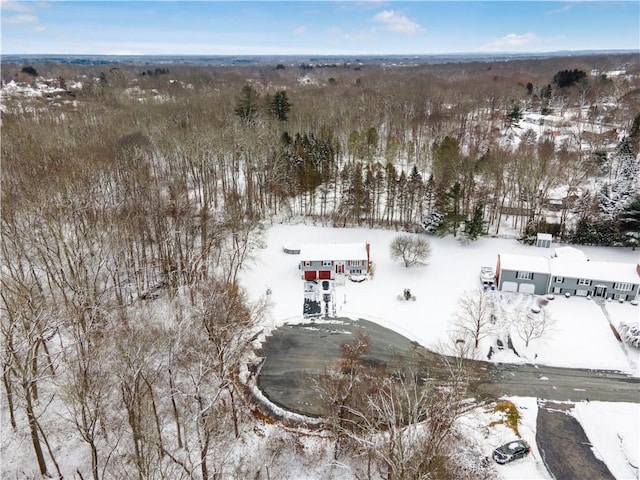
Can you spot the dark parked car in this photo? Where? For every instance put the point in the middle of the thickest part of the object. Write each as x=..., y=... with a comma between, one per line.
x=511, y=451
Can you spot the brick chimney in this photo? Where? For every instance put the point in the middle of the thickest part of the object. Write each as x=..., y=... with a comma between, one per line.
x=367, y=246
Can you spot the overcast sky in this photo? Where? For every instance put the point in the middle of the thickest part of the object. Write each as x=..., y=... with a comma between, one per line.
x=309, y=27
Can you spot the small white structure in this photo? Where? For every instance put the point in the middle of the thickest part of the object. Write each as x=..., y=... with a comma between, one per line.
x=544, y=240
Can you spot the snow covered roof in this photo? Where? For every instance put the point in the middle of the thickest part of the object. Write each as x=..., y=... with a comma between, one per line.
x=572, y=263
x=570, y=253
x=333, y=251
x=545, y=236
x=593, y=270
x=525, y=263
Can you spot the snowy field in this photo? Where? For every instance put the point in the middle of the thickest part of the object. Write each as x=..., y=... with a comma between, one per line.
x=581, y=327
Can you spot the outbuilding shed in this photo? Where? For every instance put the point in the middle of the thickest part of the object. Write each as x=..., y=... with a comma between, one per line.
x=544, y=240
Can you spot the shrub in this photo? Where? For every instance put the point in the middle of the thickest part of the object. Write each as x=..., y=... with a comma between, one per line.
x=511, y=415
x=630, y=334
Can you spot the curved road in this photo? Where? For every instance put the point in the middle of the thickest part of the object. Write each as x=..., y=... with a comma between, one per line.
x=296, y=355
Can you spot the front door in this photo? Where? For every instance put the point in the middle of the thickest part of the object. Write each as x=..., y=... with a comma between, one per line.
x=601, y=291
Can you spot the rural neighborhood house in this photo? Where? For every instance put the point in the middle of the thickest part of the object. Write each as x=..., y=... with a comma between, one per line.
x=332, y=261
x=570, y=272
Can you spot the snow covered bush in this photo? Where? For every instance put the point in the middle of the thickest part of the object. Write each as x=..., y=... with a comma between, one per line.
x=433, y=222
x=630, y=334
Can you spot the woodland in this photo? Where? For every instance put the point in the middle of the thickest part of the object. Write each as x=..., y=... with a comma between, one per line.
x=133, y=197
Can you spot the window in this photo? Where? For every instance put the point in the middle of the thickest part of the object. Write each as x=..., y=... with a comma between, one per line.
x=624, y=287
x=327, y=263
x=559, y=280
x=307, y=264
x=584, y=281
x=524, y=275
x=557, y=290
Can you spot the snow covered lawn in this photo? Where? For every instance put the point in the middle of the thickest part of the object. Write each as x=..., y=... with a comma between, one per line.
x=581, y=338
x=581, y=327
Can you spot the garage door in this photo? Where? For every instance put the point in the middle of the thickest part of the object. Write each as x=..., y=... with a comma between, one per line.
x=509, y=287
x=324, y=274
x=310, y=275
x=527, y=288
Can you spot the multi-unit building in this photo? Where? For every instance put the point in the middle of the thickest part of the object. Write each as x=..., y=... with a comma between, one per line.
x=328, y=261
x=568, y=271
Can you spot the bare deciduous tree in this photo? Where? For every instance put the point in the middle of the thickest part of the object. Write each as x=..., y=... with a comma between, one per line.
x=531, y=326
x=410, y=249
x=473, y=320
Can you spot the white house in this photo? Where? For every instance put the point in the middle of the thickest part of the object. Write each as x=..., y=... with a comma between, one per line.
x=326, y=261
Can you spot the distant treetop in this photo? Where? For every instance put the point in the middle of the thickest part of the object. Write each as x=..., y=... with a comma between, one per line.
x=29, y=70
x=567, y=78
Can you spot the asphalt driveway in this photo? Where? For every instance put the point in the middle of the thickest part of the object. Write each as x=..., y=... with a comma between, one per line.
x=565, y=449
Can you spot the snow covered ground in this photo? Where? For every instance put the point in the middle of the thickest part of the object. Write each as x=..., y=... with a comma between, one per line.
x=581, y=326
x=614, y=434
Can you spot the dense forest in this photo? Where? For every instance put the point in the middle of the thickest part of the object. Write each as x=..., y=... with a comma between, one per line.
x=132, y=197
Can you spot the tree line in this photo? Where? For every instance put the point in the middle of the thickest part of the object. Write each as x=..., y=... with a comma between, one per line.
x=129, y=214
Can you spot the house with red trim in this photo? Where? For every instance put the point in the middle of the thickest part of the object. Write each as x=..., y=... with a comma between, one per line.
x=329, y=260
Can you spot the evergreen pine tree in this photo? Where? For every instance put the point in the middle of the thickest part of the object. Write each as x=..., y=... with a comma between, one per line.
x=634, y=134
x=475, y=227
x=629, y=222
x=433, y=222
x=453, y=217
x=280, y=106
x=247, y=105
x=615, y=195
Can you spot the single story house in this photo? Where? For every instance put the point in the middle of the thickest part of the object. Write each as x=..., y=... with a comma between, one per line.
x=568, y=272
x=326, y=261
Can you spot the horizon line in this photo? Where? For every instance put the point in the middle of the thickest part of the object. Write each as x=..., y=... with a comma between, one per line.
x=338, y=55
